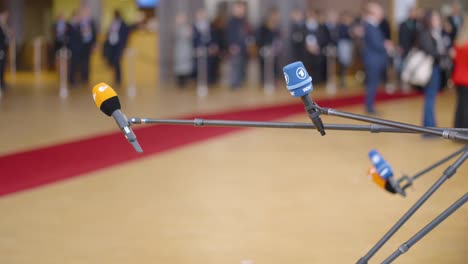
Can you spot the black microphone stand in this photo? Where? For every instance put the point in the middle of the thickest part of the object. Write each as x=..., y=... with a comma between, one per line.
x=200, y=122
x=438, y=220
x=377, y=125
x=444, y=133
x=448, y=173
x=406, y=181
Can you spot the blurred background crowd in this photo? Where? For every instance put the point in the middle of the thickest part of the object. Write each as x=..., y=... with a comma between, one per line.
x=333, y=46
x=314, y=36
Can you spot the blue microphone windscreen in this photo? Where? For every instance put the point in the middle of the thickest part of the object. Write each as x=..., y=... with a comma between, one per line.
x=383, y=168
x=298, y=80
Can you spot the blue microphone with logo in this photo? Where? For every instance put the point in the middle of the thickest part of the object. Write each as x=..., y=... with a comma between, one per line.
x=299, y=84
x=381, y=165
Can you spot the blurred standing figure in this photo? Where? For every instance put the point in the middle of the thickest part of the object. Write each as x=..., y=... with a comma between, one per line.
x=183, y=51
x=75, y=46
x=408, y=32
x=88, y=38
x=331, y=25
x=60, y=32
x=460, y=77
x=202, y=42
x=446, y=62
x=431, y=42
x=237, y=34
x=316, y=40
x=385, y=28
x=407, y=36
x=269, y=43
x=4, y=40
x=217, y=48
x=345, y=46
x=326, y=23
x=374, y=53
x=298, y=35
x=116, y=42
x=448, y=32
x=387, y=33
x=456, y=19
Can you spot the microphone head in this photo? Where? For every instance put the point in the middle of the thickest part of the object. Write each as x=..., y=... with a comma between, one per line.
x=375, y=177
x=381, y=181
x=106, y=98
x=298, y=80
x=383, y=168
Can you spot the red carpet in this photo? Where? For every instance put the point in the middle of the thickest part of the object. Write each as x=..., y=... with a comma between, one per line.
x=30, y=169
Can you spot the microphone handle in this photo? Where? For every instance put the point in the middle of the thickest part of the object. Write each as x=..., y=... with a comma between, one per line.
x=314, y=115
x=124, y=125
x=395, y=185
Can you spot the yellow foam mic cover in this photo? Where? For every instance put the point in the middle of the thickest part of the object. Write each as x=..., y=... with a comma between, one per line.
x=102, y=92
x=375, y=177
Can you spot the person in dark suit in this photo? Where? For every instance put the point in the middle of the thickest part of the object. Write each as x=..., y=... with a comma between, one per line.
x=237, y=33
x=298, y=35
x=88, y=39
x=327, y=35
x=374, y=53
x=407, y=35
x=332, y=28
x=345, y=46
x=408, y=32
x=385, y=28
x=217, y=48
x=75, y=46
x=268, y=41
x=4, y=40
x=431, y=42
x=387, y=33
x=116, y=42
x=60, y=32
x=202, y=41
x=315, y=42
x=456, y=20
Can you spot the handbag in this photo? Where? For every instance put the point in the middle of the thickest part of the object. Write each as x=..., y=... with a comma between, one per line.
x=417, y=69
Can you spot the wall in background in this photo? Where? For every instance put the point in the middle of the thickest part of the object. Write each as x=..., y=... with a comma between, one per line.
x=65, y=7
x=350, y=6
x=128, y=8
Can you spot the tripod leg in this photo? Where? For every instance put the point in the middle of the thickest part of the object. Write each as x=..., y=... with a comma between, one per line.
x=437, y=164
x=448, y=173
x=406, y=246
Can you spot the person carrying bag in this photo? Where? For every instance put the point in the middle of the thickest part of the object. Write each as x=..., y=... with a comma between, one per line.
x=417, y=68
